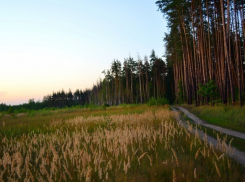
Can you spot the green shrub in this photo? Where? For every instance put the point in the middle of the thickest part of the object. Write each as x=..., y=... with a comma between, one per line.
x=159, y=101
x=152, y=102
x=106, y=105
x=86, y=105
x=208, y=90
x=162, y=101
x=123, y=105
x=10, y=110
x=22, y=110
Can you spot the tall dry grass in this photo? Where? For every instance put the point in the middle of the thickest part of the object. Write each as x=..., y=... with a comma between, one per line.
x=149, y=146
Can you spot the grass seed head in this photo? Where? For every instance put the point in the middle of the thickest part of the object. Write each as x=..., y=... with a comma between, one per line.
x=175, y=156
x=217, y=169
x=197, y=152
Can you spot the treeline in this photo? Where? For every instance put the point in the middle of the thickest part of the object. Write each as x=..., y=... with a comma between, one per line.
x=205, y=49
x=67, y=99
x=131, y=81
x=31, y=105
x=55, y=100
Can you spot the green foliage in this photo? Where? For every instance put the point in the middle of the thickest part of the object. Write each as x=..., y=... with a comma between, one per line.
x=159, y=101
x=181, y=92
x=22, y=110
x=86, y=105
x=31, y=113
x=152, y=101
x=162, y=101
x=208, y=89
x=10, y=110
x=107, y=124
x=93, y=107
x=231, y=117
x=123, y=105
x=106, y=105
x=218, y=102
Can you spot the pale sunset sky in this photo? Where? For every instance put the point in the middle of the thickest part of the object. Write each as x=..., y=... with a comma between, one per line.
x=50, y=45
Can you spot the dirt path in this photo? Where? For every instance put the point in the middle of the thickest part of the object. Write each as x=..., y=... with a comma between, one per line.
x=230, y=151
x=204, y=123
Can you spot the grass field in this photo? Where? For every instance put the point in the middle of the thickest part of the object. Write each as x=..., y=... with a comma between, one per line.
x=137, y=143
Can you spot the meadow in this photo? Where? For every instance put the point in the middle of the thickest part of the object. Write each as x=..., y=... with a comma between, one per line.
x=125, y=143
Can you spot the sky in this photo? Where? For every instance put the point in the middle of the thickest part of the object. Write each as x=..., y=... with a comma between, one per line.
x=50, y=45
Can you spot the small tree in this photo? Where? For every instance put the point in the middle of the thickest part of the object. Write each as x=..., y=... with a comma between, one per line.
x=208, y=90
x=180, y=92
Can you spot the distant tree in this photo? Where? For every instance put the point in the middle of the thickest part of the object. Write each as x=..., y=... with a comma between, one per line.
x=70, y=98
x=140, y=71
x=147, y=76
x=126, y=72
x=132, y=68
x=116, y=70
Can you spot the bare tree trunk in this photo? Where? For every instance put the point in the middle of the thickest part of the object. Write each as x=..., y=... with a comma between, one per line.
x=194, y=57
x=227, y=45
x=132, y=99
x=140, y=88
x=143, y=86
x=238, y=65
x=147, y=85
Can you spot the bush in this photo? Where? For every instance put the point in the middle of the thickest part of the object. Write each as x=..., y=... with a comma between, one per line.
x=22, y=110
x=162, y=101
x=159, y=101
x=78, y=106
x=10, y=110
x=106, y=105
x=152, y=102
x=86, y=105
x=208, y=89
